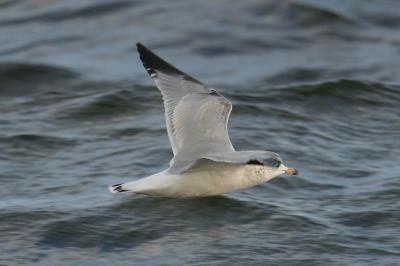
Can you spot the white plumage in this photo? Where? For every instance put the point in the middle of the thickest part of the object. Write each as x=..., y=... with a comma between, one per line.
x=205, y=162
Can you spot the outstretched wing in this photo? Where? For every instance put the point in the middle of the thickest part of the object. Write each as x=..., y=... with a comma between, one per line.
x=196, y=116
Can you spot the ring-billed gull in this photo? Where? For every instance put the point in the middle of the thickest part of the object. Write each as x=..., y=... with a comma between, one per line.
x=205, y=162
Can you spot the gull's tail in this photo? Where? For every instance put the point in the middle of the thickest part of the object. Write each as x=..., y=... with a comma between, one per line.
x=117, y=188
x=143, y=185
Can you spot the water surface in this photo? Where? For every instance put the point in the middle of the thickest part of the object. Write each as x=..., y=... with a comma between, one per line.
x=316, y=81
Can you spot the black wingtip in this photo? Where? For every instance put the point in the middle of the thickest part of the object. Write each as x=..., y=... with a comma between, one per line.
x=153, y=63
x=140, y=47
x=150, y=61
x=143, y=51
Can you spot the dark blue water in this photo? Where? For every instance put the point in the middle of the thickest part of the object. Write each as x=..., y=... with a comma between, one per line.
x=316, y=81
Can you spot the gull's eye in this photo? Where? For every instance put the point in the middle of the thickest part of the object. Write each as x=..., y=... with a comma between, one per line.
x=213, y=92
x=256, y=162
x=273, y=162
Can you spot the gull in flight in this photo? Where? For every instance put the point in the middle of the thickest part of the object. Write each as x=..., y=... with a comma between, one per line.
x=205, y=162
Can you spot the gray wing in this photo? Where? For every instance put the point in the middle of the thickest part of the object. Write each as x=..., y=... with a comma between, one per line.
x=196, y=116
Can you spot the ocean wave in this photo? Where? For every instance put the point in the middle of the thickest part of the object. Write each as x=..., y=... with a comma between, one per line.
x=19, y=79
x=343, y=91
x=65, y=13
x=308, y=75
x=34, y=145
x=370, y=218
x=300, y=14
x=13, y=71
x=109, y=104
x=119, y=231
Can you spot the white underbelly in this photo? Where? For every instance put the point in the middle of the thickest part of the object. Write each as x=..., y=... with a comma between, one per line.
x=203, y=183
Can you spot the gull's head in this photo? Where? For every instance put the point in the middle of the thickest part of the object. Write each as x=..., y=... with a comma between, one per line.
x=269, y=165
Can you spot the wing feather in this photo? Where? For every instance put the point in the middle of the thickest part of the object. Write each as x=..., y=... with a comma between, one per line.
x=196, y=116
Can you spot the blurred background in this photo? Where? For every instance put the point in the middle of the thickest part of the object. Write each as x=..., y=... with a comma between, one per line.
x=316, y=81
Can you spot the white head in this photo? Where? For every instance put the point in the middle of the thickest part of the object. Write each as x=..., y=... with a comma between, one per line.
x=268, y=167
